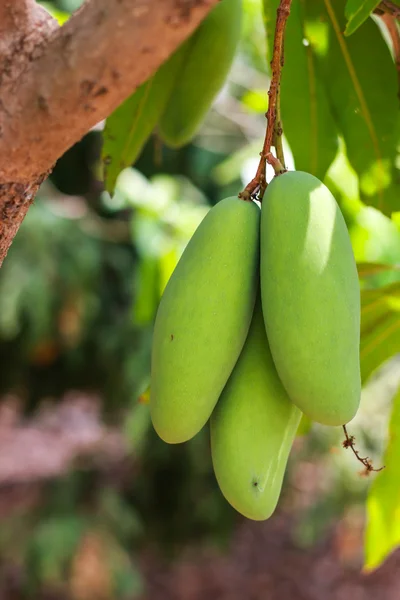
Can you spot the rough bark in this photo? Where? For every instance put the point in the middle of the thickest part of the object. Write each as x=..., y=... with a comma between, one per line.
x=25, y=28
x=55, y=84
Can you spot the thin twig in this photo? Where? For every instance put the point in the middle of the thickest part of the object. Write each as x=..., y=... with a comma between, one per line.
x=278, y=131
x=41, y=114
x=257, y=186
x=349, y=442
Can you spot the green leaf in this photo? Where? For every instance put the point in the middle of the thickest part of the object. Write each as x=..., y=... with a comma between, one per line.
x=304, y=427
x=370, y=269
x=60, y=15
x=380, y=327
x=361, y=83
x=358, y=11
x=146, y=296
x=128, y=128
x=382, y=534
x=307, y=120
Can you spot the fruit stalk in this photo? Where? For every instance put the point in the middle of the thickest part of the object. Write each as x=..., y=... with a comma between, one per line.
x=258, y=185
x=278, y=131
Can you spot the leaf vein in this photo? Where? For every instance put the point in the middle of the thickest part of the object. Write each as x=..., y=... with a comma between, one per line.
x=358, y=89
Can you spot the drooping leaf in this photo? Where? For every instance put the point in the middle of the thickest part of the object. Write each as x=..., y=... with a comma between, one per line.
x=307, y=120
x=361, y=83
x=382, y=534
x=356, y=12
x=376, y=239
x=128, y=128
x=380, y=327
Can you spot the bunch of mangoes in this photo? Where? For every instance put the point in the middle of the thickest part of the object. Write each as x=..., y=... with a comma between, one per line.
x=176, y=98
x=259, y=323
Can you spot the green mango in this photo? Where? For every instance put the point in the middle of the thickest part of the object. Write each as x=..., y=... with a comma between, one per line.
x=311, y=297
x=252, y=429
x=203, y=319
x=129, y=127
x=208, y=59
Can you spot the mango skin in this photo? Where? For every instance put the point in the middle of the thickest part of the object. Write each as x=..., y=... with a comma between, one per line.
x=311, y=297
x=252, y=429
x=203, y=319
x=208, y=59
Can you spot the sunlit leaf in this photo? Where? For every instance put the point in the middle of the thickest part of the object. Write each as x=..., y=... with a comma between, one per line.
x=256, y=101
x=382, y=534
x=358, y=11
x=361, y=83
x=168, y=262
x=375, y=304
x=380, y=327
x=307, y=120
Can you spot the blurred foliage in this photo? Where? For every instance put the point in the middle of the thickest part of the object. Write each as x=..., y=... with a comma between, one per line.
x=81, y=285
x=383, y=524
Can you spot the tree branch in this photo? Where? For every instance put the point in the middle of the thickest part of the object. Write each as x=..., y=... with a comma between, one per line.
x=258, y=184
x=94, y=62
x=24, y=29
x=15, y=13
x=83, y=72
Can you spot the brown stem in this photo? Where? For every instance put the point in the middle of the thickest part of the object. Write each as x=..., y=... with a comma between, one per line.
x=349, y=442
x=103, y=52
x=257, y=186
x=392, y=27
x=278, y=131
x=389, y=8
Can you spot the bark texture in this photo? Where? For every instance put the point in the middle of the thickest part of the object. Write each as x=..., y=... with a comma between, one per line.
x=57, y=83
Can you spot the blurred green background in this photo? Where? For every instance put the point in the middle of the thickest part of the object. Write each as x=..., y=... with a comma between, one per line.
x=92, y=504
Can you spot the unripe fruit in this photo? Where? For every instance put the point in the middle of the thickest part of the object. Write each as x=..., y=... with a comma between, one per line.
x=208, y=58
x=203, y=319
x=252, y=429
x=311, y=297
